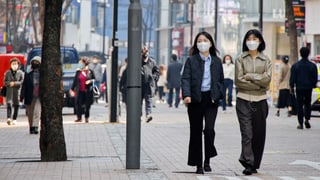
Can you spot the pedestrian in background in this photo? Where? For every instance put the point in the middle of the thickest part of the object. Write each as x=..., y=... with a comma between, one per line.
x=228, y=71
x=253, y=71
x=162, y=82
x=149, y=75
x=82, y=88
x=173, y=80
x=304, y=77
x=202, y=89
x=13, y=79
x=95, y=66
x=30, y=93
x=123, y=85
x=284, y=98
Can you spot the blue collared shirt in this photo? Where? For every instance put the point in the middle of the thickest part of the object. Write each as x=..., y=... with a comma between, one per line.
x=206, y=80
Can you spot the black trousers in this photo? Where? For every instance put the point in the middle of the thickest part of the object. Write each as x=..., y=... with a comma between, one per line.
x=252, y=119
x=196, y=112
x=82, y=100
x=15, y=112
x=304, y=104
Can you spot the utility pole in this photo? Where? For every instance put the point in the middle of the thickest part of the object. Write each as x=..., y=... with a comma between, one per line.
x=104, y=29
x=134, y=86
x=191, y=23
x=261, y=15
x=114, y=66
x=216, y=21
x=7, y=23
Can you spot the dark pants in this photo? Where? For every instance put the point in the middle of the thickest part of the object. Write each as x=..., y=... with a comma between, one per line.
x=15, y=111
x=304, y=104
x=252, y=119
x=83, y=101
x=160, y=91
x=196, y=112
x=148, y=102
x=170, y=96
x=228, y=84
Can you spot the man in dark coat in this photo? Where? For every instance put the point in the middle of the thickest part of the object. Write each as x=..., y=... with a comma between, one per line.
x=304, y=78
x=173, y=80
x=149, y=75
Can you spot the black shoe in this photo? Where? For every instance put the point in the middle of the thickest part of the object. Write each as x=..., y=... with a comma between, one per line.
x=247, y=171
x=278, y=113
x=87, y=120
x=149, y=118
x=36, y=130
x=207, y=167
x=78, y=120
x=254, y=171
x=307, y=124
x=299, y=126
x=199, y=170
x=31, y=130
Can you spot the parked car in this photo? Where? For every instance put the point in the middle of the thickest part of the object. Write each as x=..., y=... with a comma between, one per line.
x=5, y=65
x=69, y=59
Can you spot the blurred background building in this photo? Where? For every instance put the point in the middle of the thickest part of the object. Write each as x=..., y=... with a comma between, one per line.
x=169, y=26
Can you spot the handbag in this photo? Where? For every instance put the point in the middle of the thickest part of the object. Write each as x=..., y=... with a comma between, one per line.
x=3, y=91
x=96, y=91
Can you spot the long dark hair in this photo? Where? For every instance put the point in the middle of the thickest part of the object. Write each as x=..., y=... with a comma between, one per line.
x=257, y=34
x=194, y=49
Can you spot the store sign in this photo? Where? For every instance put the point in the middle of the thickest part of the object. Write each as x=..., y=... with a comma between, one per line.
x=299, y=11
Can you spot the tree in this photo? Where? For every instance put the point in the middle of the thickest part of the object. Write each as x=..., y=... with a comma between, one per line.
x=52, y=142
x=292, y=31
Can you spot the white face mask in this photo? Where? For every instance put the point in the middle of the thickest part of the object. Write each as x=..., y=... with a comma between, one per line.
x=203, y=46
x=252, y=45
x=14, y=67
x=228, y=61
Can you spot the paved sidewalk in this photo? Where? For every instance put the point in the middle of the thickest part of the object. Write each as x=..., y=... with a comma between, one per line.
x=97, y=150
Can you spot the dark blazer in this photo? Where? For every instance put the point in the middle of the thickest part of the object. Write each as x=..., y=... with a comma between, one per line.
x=27, y=88
x=304, y=75
x=89, y=89
x=192, y=78
x=149, y=76
x=174, y=74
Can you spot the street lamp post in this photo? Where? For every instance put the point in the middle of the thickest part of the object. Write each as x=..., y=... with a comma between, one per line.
x=261, y=15
x=133, y=140
x=104, y=28
x=216, y=21
x=191, y=2
x=114, y=66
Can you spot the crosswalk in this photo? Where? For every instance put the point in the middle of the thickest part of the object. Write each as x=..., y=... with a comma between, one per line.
x=257, y=178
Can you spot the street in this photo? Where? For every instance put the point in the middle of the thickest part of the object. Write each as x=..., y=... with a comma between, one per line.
x=97, y=150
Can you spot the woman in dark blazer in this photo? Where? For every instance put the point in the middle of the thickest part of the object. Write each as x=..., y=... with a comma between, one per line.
x=202, y=88
x=83, y=89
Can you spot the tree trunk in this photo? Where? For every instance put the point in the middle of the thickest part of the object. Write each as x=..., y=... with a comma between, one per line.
x=41, y=5
x=52, y=142
x=292, y=31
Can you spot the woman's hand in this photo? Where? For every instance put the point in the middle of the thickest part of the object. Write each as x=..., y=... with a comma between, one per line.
x=88, y=82
x=187, y=100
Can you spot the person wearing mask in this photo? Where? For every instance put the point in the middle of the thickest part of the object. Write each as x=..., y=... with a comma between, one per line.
x=82, y=88
x=95, y=66
x=149, y=75
x=13, y=79
x=228, y=71
x=202, y=89
x=173, y=79
x=253, y=71
x=304, y=77
x=284, y=98
x=31, y=95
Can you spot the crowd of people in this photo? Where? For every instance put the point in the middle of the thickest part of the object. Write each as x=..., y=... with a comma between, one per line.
x=204, y=82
